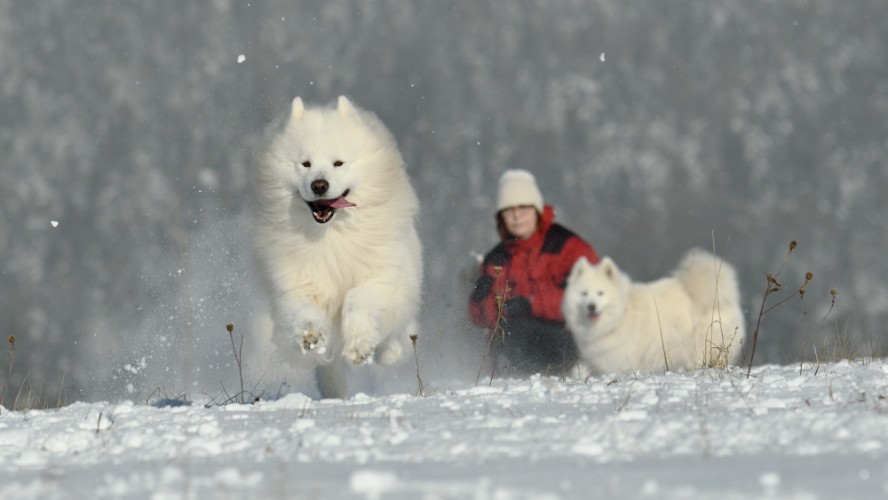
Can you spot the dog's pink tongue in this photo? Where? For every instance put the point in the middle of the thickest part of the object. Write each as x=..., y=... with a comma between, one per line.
x=341, y=202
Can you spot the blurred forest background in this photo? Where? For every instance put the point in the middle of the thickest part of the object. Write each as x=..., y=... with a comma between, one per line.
x=651, y=126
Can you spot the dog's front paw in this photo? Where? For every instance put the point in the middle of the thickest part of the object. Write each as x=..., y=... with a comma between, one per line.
x=359, y=351
x=312, y=340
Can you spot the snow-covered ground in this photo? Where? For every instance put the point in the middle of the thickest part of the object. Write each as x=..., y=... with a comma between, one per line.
x=704, y=434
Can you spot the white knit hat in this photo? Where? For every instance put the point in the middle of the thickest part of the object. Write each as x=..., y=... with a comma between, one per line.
x=518, y=187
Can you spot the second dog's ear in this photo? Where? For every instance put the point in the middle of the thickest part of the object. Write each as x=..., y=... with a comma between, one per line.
x=297, y=109
x=344, y=106
x=610, y=269
x=579, y=267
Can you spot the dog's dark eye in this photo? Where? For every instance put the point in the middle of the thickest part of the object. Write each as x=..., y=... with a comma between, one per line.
x=338, y=163
x=600, y=293
x=306, y=164
x=584, y=293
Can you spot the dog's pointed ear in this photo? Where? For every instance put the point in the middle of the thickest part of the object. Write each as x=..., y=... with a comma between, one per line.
x=297, y=109
x=579, y=266
x=609, y=267
x=344, y=106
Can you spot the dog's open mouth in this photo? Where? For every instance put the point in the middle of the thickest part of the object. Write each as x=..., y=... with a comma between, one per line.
x=323, y=210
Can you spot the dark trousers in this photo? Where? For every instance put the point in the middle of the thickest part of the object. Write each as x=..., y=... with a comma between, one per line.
x=533, y=345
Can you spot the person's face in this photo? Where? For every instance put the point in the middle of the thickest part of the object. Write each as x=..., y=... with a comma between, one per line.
x=521, y=221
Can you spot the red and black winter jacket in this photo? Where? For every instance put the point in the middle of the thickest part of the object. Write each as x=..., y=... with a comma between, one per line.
x=535, y=268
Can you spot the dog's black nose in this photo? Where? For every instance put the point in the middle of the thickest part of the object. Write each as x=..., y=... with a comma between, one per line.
x=320, y=186
x=591, y=308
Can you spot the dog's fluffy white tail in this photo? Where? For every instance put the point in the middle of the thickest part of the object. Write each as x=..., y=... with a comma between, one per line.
x=707, y=277
x=712, y=284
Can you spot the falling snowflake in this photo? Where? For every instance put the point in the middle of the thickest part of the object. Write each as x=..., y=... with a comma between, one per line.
x=241, y=58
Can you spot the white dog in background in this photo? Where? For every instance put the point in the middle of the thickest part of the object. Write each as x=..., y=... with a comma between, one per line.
x=336, y=241
x=686, y=321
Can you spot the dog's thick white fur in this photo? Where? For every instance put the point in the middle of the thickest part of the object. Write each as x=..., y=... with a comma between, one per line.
x=686, y=321
x=336, y=242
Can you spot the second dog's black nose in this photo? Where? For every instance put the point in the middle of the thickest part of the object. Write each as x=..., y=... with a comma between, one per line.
x=319, y=186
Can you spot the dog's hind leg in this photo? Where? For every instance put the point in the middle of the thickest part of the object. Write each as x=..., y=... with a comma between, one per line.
x=391, y=350
x=332, y=379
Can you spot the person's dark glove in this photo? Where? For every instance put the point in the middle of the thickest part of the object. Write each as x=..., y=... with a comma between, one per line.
x=517, y=307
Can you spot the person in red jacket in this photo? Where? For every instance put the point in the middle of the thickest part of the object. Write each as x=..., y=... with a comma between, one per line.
x=522, y=280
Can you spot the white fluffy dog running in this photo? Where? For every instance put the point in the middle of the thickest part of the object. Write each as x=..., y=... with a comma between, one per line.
x=336, y=241
x=686, y=321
